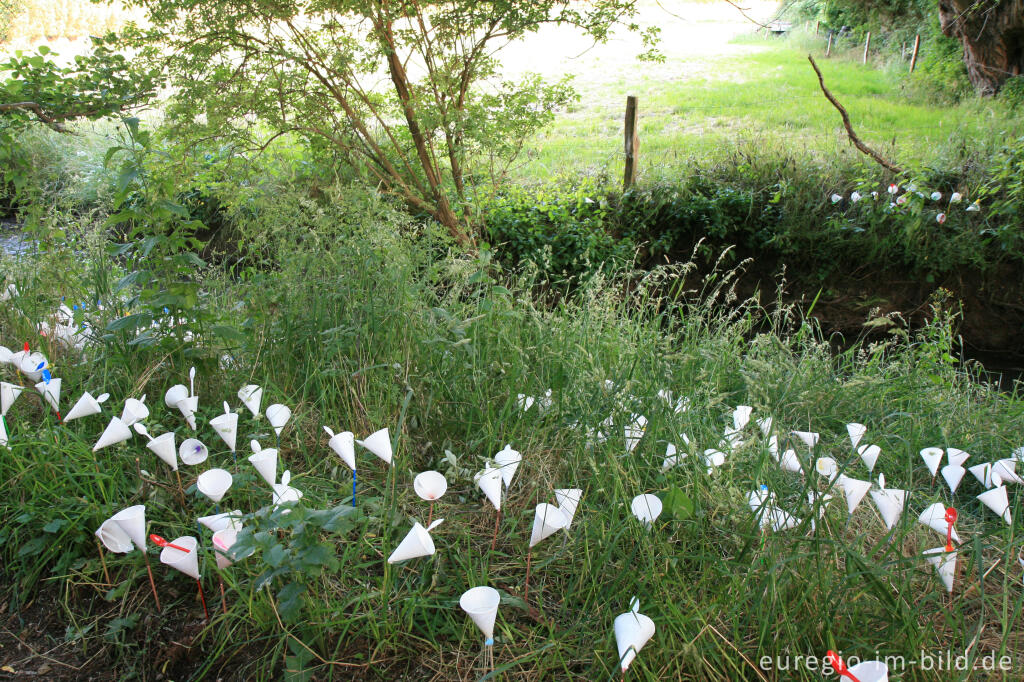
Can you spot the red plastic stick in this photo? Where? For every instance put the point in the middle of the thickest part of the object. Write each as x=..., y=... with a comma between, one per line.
x=838, y=665
x=160, y=542
x=950, y=520
x=202, y=598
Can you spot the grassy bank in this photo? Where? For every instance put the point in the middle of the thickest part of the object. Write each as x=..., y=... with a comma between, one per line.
x=361, y=327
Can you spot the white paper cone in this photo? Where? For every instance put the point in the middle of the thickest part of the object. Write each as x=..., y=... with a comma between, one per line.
x=996, y=500
x=854, y=489
x=85, y=406
x=765, y=424
x=226, y=426
x=779, y=519
x=956, y=456
x=163, y=447
x=671, y=458
x=133, y=522
x=114, y=538
x=228, y=519
x=869, y=455
x=5, y=352
x=890, y=503
x=489, y=481
x=379, y=443
x=417, y=543
x=507, y=461
x=8, y=394
x=430, y=485
x=265, y=462
x=547, y=519
x=856, y=432
x=1007, y=470
x=214, y=483
x=932, y=457
x=827, y=467
x=524, y=402
x=953, y=475
x=741, y=416
x=50, y=392
x=790, y=462
x=944, y=563
x=934, y=516
x=223, y=540
x=186, y=562
x=134, y=411
x=982, y=472
x=481, y=604
x=646, y=508
x=30, y=362
x=713, y=458
x=3, y=433
x=193, y=452
x=188, y=407
x=283, y=492
x=344, y=445
x=568, y=500
x=773, y=446
x=635, y=431
x=251, y=396
x=175, y=394
x=116, y=432
x=870, y=671
x=632, y=631
x=278, y=415
x=809, y=438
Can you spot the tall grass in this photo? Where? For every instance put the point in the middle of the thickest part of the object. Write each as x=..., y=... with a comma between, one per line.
x=361, y=325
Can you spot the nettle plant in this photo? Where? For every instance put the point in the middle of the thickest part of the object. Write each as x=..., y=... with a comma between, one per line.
x=408, y=91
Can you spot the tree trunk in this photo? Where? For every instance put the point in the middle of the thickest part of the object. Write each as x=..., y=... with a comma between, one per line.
x=992, y=33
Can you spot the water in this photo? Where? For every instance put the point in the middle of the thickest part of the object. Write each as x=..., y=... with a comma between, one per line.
x=13, y=240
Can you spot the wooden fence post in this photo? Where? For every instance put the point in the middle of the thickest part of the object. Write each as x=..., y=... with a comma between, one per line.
x=828, y=50
x=913, y=57
x=867, y=46
x=632, y=143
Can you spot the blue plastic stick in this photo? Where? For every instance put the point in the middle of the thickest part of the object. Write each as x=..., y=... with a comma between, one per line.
x=353, y=487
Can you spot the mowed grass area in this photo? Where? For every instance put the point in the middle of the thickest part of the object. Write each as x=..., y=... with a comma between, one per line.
x=767, y=94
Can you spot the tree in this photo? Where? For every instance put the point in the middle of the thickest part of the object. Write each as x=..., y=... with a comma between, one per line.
x=409, y=90
x=992, y=34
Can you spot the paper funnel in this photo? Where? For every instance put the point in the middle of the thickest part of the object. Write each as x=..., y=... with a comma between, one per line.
x=741, y=416
x=956, y=456
x=856, y=432
x=116, y=432
x=765, y=424
x=671, y=457
x=186, y=562
x=134, y=411
x=223, y=540
x=870, y=671
x=344, y=445
x=809, y=438
x=934, y=516
x=932, y=457
x=713, y=458
x=481, y=603
x=283, y=492
x=86, y=406
x=251, y=396
x=869, y=455
x=890, y=503
x=379, y=443
x=568, y=500
x=1006, y=469
x=632, y=631
x=265, y=462
x=635, y=431
x=29, y=364
x=854, y=490
x=133, y=522
x=647, y=508
x=175, y=394
x=944, y=563
x=50, y=392
x=278, y=415
x=507, y=462
x=226, y=426
x=827, y=467
x=163, y=447
x=228, y=519
x=489, y=481
x=790, y=462
x=192, y=452
x=524, y=402
x=417, y=543
x=5, y=353
x=546, y=520
x=996, y=500
x=214, y=483
x=953, y=474
x=982, y=472
x=188, y=407
x=430, y=485
x=113, y=538
x=8, y=394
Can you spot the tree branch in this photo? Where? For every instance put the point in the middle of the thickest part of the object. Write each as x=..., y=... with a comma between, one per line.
x=37, y=110
x=888, y=165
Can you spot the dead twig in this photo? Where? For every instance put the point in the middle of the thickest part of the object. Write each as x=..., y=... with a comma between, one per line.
x=882, y=161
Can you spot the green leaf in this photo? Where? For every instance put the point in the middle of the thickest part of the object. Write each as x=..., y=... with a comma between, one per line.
x=130, y=322
x=55, y=525
x=678, y=504
x=275, y=556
